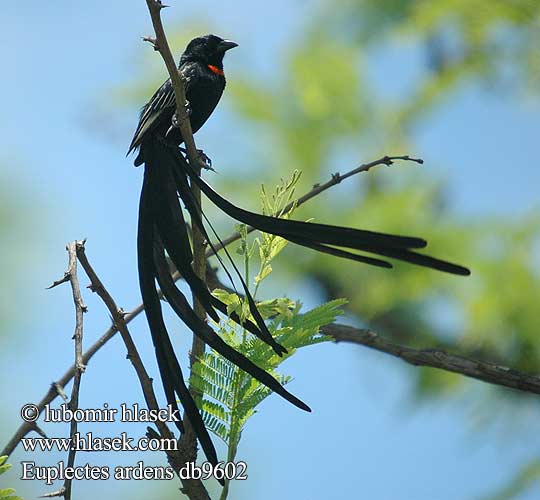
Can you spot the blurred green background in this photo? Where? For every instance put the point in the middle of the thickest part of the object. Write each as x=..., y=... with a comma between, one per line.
x=318, y=86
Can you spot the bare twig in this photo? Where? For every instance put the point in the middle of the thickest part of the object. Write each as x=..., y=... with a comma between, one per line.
x=119, y=322
x=318, y=189
x=437, y=358
x=79, y=367
x=176, y=458
x=54, y=494
x=80, y=309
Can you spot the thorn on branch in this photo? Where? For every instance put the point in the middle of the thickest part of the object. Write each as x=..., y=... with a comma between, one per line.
x=408, y=158
x=65, y=279
x=417, y=160
x=38, y=429
x=59, y=390
x=54, y=494
x=152, y=41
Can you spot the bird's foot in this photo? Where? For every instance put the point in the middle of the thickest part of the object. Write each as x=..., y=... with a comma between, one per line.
x=206, y=162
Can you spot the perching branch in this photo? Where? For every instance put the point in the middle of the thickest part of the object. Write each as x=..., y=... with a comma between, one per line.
x=188, y=439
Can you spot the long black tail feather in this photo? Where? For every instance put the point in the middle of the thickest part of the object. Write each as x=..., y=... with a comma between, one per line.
x=338, y=252
x=194, y=209
x=169, y=367
x=182, y=308
x=172, y=229
x=318, y=236
x=172, y=232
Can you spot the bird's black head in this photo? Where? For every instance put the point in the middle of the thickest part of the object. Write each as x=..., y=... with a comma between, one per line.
x=208, y=49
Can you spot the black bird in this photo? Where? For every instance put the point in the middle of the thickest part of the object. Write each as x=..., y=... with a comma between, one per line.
x=201, y=69
x=168, y=176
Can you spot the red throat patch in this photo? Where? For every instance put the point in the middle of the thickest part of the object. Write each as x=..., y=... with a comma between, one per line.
x=216, y=70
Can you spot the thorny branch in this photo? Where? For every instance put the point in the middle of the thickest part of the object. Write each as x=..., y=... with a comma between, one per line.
x=176, y=458
x=161, y=44
x=71, y=276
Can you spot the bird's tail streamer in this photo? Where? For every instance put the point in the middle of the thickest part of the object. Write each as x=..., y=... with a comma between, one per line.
x=162, y=228
x=325, y=238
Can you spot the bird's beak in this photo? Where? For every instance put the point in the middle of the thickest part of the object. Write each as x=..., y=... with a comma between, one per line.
x=225, y=45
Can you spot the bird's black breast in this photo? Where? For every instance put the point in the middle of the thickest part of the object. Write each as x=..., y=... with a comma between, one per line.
x=203, y=96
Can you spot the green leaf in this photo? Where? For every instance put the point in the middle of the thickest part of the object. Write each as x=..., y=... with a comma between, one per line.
x=6, y=493
x=4, y=466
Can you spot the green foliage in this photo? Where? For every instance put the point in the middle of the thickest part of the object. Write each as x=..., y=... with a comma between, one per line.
x=6, y=493
x=525, y=480
x=462, y=40
x=270, y=245
x=229, y=395
x=316, y=111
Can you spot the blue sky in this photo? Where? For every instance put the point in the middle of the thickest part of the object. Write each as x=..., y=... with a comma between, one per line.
x=365, y=438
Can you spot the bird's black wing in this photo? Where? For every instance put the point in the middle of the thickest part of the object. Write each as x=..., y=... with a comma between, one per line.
x=159, y=110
